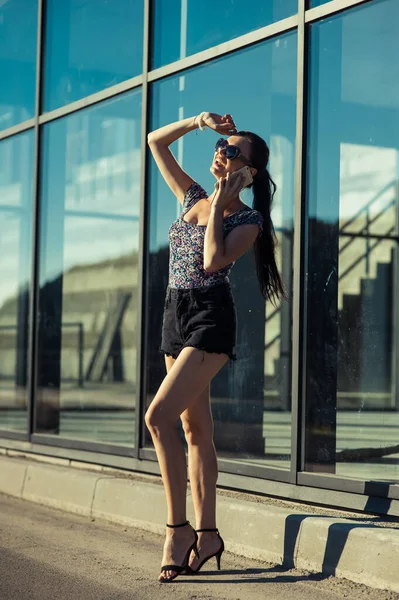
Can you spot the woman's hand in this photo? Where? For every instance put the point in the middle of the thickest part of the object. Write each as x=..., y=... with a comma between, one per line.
x=227, y=189
x=222, y=124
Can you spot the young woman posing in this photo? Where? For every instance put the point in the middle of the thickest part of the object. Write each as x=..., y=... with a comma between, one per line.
x=199, y=325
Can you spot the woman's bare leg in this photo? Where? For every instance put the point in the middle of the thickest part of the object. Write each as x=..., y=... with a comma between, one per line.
x=203, y=472
x=190, y=374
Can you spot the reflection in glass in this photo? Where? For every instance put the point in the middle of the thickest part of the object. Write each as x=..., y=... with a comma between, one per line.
x=251, y=399
x=88, y=272
x=313, y=3
x=16, y=178
x=90, y=46
x=352, y=400
x=18, y=33
x=182, y=28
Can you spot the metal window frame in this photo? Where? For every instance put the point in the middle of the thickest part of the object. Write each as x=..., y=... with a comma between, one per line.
x=288, y=483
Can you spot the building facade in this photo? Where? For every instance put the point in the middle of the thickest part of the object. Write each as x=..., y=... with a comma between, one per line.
x=310, y=410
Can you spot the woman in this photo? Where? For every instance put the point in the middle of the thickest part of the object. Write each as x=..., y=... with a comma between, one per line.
x=199, y=326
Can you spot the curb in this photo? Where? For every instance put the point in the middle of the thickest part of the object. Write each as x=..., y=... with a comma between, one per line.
x=359, y=551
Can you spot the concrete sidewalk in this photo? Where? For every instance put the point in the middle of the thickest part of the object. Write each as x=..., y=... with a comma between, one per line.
x=361, y=548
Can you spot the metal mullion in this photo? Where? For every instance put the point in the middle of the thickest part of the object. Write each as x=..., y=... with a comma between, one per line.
x=225, y=48
x=111, y=92
x=13, y=434
x=142, y=262
x=33, y=296
x=236, y=468
x=331, y=8
x=298, y=305
x=372, y=488
x=82, y=444
x=24, y=126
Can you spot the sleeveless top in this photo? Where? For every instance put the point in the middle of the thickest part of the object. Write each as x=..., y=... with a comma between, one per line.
x=186, y=261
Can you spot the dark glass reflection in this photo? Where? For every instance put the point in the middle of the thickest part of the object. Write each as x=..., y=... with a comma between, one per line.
x=182, y=28
x=90, y=46
x=18, y=33
x=16, y=177
x=251, y=398
x=352, y=399
x=89, y=231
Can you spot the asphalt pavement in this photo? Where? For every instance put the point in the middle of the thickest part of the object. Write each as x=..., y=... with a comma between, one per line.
x=47, y=554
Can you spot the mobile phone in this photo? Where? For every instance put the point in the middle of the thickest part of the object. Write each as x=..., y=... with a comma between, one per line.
x=247, y=178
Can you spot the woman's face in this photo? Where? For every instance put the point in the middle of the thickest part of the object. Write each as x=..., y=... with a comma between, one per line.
x=222, y=165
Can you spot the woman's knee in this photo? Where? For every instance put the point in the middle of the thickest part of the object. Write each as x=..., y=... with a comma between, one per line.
x=153, y=418
x=197, y=432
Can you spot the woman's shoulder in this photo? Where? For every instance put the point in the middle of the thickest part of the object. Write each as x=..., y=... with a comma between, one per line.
x=194, y=192
x=250, y=216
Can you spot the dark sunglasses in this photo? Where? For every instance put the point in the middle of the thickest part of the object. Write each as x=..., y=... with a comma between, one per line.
x=231, y=152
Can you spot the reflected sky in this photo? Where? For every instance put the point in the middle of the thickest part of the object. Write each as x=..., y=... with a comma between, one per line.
x=18, y=27
x=89, y=46
x=354, y=95
x=91, y=186
x=16, y=180
x=184, y=27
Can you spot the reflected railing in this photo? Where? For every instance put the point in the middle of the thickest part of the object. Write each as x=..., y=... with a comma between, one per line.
x=372, y=241
x=365, y=232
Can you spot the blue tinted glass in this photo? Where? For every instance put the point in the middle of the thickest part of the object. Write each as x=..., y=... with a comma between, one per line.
x=182, y=28
x=251, y=398
x=18, y=33
x=89, y=230
x=90, y=46
x=16, y=177
x=352, y=389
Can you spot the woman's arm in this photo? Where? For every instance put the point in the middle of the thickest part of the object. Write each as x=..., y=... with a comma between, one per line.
x=219, y=253
x=160, y=140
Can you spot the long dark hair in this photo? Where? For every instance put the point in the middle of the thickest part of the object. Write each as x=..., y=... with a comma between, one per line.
x=263, y=188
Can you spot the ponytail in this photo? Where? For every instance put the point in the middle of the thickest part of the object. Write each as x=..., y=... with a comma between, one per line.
x=263, y=188
x=269, y=278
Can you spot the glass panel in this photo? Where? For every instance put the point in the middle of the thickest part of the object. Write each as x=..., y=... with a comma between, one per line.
x=16, y=179
x=90, y=46
x=352, y=414
x=251, y=398
x=89, y=232
x=18, y=34
x=182, y=28
x=313, y=3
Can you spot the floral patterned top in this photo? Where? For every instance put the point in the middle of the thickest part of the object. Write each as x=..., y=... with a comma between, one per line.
x=186, y=262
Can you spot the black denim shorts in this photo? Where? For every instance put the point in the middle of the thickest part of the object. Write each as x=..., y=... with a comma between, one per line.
x=203, y=318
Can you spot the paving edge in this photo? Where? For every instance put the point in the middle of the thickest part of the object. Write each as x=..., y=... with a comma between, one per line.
x=360, y=552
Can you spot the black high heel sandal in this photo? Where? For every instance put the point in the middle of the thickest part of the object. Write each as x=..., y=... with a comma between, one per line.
x=180, y=568
x=190, y=571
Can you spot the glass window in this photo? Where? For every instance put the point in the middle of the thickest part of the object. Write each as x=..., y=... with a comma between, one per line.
x=352, y=397
x=89, y=239
x=16, y=178
x=182, y=28
x=18, y=35
x=314, y=3
x=251, y=398
x=90, y=46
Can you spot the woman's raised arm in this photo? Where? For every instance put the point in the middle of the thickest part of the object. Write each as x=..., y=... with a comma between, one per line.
x=160, y=139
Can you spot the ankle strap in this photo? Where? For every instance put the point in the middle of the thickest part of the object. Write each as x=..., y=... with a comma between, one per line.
x=199, y=530
x=179, y=525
